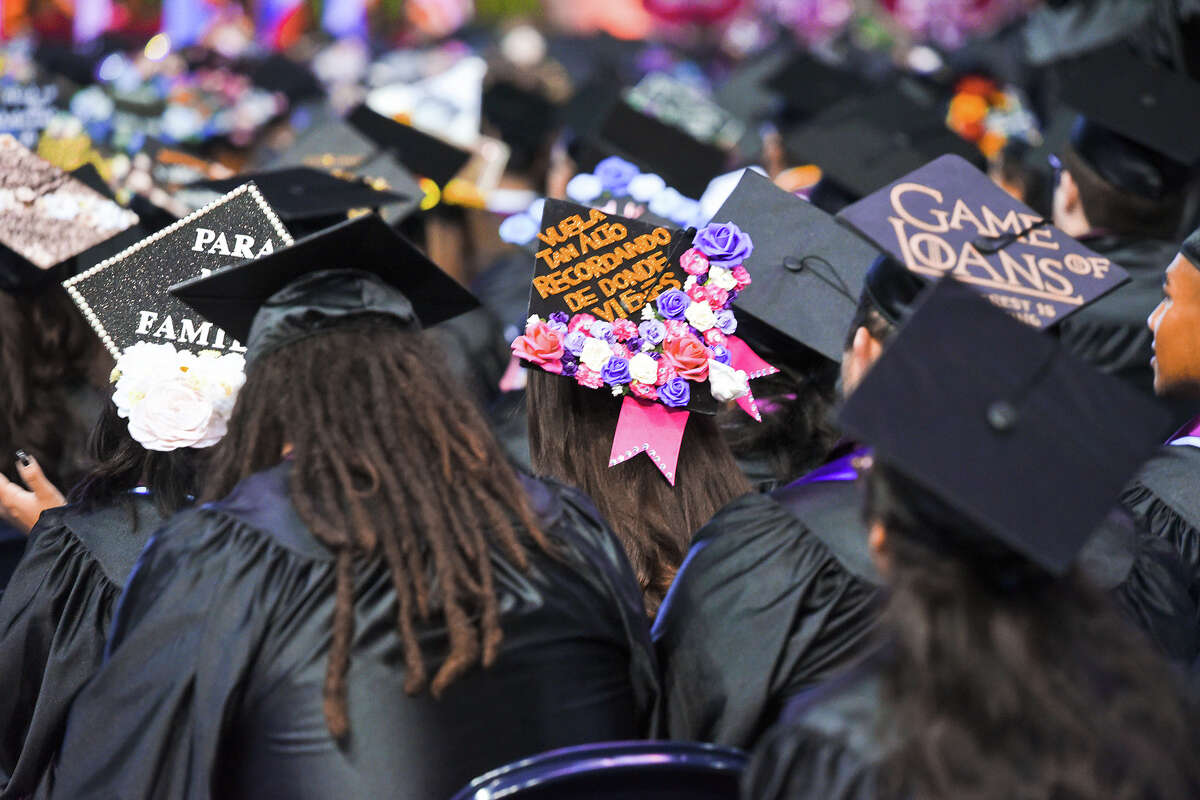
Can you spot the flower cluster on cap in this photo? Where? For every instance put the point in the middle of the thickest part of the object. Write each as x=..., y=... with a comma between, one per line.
x=175, y=398
x=679, y=341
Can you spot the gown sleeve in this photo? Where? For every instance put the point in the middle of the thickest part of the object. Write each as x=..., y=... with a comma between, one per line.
x=149, y=724
x=54, y=620
x=1165, y=499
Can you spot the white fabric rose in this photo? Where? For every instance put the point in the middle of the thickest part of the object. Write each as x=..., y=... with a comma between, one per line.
x=643, y=369
x=596, y=354
x=700, y=316
x=722, y=278
x=584, y=188
x=645, y=186
x=726, y=382
x=174, y=415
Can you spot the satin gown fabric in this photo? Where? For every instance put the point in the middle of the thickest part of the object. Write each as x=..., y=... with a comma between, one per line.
x=213, y=686
x=54, y=620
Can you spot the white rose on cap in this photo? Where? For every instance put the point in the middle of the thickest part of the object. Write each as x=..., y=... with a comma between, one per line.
x=725, y=382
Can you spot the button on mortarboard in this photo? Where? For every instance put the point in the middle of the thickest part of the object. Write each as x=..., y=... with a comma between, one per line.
x=808, y=269
x=1003, y=424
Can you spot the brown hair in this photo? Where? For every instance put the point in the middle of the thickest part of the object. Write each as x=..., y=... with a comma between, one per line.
x=570, y=437
x=46, y=350
x=1111, y=209
x=1010, y=682
x=392, y=460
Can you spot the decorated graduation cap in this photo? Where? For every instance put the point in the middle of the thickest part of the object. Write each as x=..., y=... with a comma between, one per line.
x=965, y=399
x=50, y=222
x=947, y=218
x=808, y=269
x=307, y=199
x=125, y=299
x=1138, y=121
x=683, y=161
x=642, y=312
x=336, y=147
x=358, y=269
x=425, y=155
x=867, y=141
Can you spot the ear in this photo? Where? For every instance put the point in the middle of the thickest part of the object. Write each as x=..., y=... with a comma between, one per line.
x=866, y=349
x=1070, y=192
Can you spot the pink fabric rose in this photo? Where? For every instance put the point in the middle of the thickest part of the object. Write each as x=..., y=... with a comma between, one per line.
x=643, y=391
x=714, y=337
x=698, y=294
x=742, y=276
x=580, y=322
x=717, y=298
x=688, y=356
x=624, y=329
x=665, y=372
x=677, y=329
x=694, y=262
x=588, y=377
x=542, y=346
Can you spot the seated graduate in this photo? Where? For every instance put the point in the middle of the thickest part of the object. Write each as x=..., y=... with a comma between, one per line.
x=372, y=602
x=1004, y=672
x=1164, y=494
x=655, y=375
x=737, y=570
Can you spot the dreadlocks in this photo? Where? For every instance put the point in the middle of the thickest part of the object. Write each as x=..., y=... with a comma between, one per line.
x=390, y=458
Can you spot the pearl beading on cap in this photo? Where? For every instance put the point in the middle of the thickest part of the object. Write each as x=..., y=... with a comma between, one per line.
x=90, y=315
x=644, y=447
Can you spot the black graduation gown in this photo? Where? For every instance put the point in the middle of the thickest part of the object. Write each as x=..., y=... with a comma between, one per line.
x=1111, y=334
x=54, y=620
x=1165, y=497
x=779, y=592
x=761, y=610
x=213, y=685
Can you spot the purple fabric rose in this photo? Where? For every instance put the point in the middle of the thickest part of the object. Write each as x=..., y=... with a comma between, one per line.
x=602, y=330
x=616, y=372
x=560, y=316
x=555, y=325
x=569, y=365
x=675, y=393
x=719, y=353
x=724, y=244
x=615, y=173
x=672, y=304
x=726, y=321
x=574, y=342
x=653, y=331
x=634, y=345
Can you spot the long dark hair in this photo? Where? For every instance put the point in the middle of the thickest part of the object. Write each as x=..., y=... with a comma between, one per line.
x=796, y=432
x=122, y=465
x=47, y=352
x=1009, y=682
x=393, y=460
x=570, y=437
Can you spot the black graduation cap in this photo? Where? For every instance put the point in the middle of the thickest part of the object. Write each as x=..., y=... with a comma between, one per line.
x=949, y=218
x=50, y=221
x=124, y=296
x=307, y=199
x=865, y=142
x=363, y=251
x=807, y=269
x=89, y=176
x=809, y=86
x=418, y=151
x=1138, y=121
x=1003, y=424
x=685, y=163
x=523, y=117
x=278, y=73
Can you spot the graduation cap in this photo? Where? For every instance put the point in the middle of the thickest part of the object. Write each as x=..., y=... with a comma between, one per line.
x=1138, y=120
x=865, y=142
x=124, y=298
x=358, y=268
x=48, y=219
x=684, y=162
x=339, y=149
x=948, y=218
x=425, y=155
x=523, y=117
x=808, y=269
x=1003, y=424
x=809, y=86
x=307, y=199
x=278, y=73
